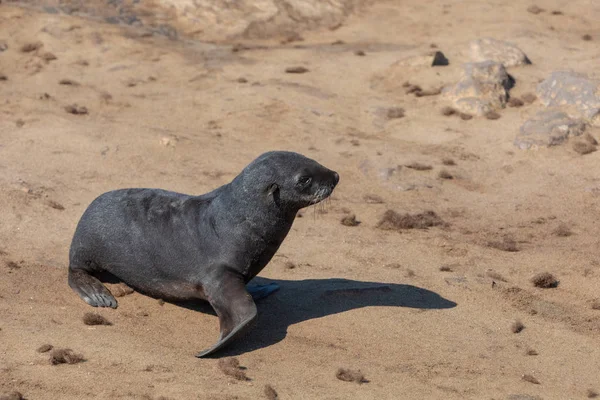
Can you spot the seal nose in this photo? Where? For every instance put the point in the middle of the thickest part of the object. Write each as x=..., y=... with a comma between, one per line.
x=336, y=178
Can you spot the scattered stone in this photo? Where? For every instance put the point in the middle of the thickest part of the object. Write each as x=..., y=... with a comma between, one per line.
x=56, y=205
x=395, y=112
x=448, y=111
x=557, y=12
x=270, y=393
x=44, y=348
x=350, y=220
x=574, y=90
x=3, y=77
x=595, y=304
x=590, y=139
x=507, y=244
x=296, y=70
x=121, y=290
x=587, y=37
x=496, y=276
x=530, y=378
x=65, y=356
x=3, y=46
x=446, y=268
x=12, y=396
x=531, y=352
x=584, y=148
x=169, y=141
x=535, y=9
x=443, y=174
x=30, y=47
x=69, y=82
x=372, y=199
x=492, y=115
x=548, y=128
x=544, y=280
x=499, y=51
x=47, y=56
x=515, y=102
x=563, y=231
x=431, y=92
x=242, y=80
x=523, y=397
x=391, y=220
x=529, y=98
x=465, y=117
x=448, y=161
x=418, y=166
x=348, y=375
x=360, y=53
x=517, y=326
x=76, y=110
x=483, y=87
x=591, y=394
x=95, y=319
x=289, y=265
x=20, y=123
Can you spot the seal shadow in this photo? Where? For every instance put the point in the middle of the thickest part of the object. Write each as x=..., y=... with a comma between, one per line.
x=302, y=300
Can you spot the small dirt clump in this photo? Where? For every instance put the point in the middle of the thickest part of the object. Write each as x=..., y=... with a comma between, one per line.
x=231, y=366
x=65, y=356
x=544, y=280
x=95, y=319
x=348, y=375
x=392, y=220
x=270, y=393
x=44, y=348
x=350, y=220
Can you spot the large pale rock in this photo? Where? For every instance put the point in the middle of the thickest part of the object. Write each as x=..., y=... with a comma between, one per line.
x=575, y=93
x=548, y=128
x=483, y=87
x=505, y=53
x=211, y=19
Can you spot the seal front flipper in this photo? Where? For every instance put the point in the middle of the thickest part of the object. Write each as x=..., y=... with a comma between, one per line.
x=233, y=304
x=261, y=291
x=90, y=289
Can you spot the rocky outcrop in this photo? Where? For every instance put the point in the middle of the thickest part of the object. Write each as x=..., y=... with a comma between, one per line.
x=499, y=51
x=575, y=93
x=212, y=20
x=548, y=128
x=483, y=87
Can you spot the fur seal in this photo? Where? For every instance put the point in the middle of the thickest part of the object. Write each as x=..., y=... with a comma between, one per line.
x=178, y=247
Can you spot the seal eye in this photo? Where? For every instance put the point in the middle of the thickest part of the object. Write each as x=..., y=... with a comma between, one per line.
x=304, y=180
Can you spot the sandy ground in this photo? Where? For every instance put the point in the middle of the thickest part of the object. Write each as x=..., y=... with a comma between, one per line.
x=178, y=116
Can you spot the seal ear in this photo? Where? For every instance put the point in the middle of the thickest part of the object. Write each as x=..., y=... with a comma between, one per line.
x=273, y=191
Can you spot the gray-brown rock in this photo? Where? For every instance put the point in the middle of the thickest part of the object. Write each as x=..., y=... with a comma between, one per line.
x=548, y=128
x=482, y=88
x=575, y=93
x=500, y=51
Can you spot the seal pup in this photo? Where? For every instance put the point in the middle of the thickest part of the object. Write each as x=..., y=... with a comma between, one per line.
x=178, y=247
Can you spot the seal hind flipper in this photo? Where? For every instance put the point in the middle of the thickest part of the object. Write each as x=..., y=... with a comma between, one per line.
x=90, y=289
x=235, y=308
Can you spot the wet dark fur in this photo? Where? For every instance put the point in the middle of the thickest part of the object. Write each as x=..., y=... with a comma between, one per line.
x=183, y=247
